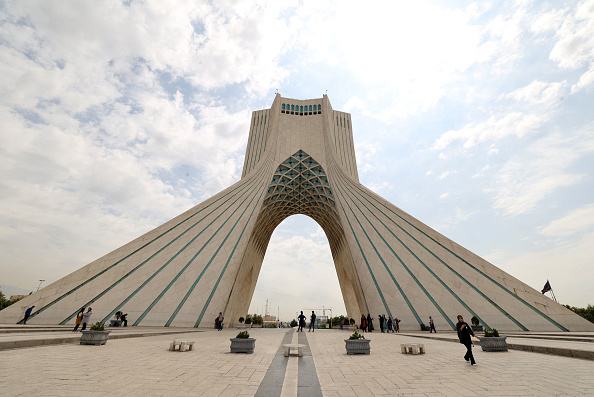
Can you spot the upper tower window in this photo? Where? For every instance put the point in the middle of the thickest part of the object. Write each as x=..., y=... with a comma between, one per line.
x=283, y=106
x=292, y=107
x=310, y=108
x=301, y=109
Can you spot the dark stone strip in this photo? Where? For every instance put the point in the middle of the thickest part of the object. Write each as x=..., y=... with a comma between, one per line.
x=272, y=384
x=308, y=383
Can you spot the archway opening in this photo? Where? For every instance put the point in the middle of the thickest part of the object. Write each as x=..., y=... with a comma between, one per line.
x=298, y=273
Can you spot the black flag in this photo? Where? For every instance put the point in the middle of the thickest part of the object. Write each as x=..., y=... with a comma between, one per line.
x=547, y=287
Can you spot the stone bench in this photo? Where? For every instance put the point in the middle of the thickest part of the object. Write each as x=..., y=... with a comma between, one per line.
x=412, y=348
x=288, y=348
x=182, y=345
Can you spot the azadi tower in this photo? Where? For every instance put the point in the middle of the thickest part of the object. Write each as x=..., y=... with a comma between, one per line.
x=300, y=159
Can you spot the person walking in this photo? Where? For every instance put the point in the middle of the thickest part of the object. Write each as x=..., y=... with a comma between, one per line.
x=27, y=314
x=301, y=322
x=464, y=333
x=363, y=323
x=86, y=318
x=312, y=324
x=390, y=325
x=380, y=318
x=221, y=318
x=397, y=324
x=431, y=325
x=369, y=323
x=79, y=317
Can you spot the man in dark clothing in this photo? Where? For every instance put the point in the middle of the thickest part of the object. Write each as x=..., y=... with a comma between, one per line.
x=124, y=319
x=431, y=325
x=381, y=322
x=464, y=333
x=313, y=322
x=301, y=322
x=27, y=314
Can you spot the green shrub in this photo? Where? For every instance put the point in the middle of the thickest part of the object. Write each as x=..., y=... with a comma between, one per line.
x=356, y=335
x=352, y=321
x=492, y=334
x=98, y=326
x=294, y=323
x=475, y=321
x=243, y=335
x=241, y=320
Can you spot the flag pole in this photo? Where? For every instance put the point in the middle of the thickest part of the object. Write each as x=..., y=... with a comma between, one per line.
x=553, y=294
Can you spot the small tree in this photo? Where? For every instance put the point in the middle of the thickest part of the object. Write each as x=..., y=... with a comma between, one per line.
x=4, y=303
x=293, y=323
x=248, y=319
x=475, y=321
x=241, y=320
x=257, y=319
x=352, y=321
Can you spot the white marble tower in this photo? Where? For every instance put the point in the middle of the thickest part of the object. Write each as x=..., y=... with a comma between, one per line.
x=300, y=159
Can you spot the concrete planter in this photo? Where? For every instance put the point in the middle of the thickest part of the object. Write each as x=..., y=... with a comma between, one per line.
x=494, y=344
x=357, y=346
x=242, y=345
x=89, y=337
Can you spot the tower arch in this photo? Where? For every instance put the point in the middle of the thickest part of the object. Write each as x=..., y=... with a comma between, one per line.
x=207, y=259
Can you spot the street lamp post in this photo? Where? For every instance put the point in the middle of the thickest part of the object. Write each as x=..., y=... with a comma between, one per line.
x=40, y=281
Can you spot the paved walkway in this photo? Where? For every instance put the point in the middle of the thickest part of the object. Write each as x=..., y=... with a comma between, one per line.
x=143, y=366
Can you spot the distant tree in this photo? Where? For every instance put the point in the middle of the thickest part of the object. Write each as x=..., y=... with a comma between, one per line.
x=4, y=303
x=587, y=313
x=336, y=320
x=293, y=323
x=257, y=319
x=241, y=320
x=248, y=319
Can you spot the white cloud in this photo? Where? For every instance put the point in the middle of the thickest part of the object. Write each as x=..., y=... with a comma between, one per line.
x=444, y=175
x=481, y=173
x=578, y=220
x=575, y=47
x=496, y=127
x=585, y=80
x=459, y=216
x=444, y=195
x=365, y=153
x=535, y=266
x=378, y=187
x=524, y=181
x=539, y=92
x=420, y=70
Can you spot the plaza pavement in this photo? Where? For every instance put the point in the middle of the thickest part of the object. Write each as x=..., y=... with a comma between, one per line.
x=143, y=366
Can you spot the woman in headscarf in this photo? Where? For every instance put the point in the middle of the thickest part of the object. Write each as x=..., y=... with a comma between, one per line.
x=79, y=317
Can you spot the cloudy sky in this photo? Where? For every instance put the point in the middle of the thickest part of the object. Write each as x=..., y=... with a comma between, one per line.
x=476, y=118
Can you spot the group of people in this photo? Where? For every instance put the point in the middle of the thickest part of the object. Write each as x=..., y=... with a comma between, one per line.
x=386, y=324
x=83, y=318
x=312, y=324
